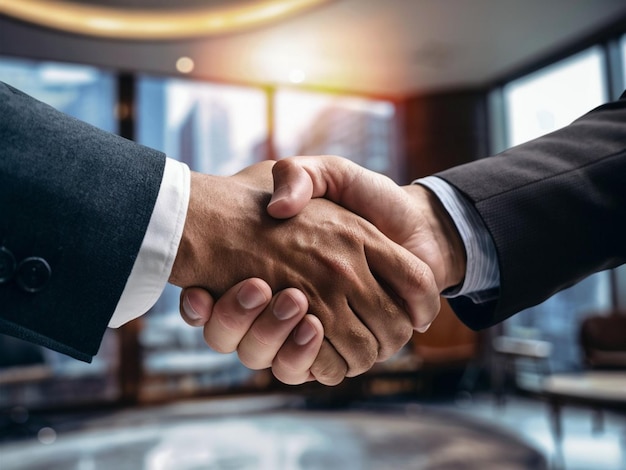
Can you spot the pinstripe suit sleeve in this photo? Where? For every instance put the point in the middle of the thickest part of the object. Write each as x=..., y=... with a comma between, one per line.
x=555, y=207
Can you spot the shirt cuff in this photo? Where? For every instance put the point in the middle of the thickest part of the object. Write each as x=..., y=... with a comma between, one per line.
x=158, y=250
x=482, y=275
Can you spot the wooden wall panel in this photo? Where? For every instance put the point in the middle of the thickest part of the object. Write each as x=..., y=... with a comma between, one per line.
x=442, y=130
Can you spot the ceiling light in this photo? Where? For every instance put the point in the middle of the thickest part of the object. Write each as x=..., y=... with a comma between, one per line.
x=185, y=65
x=152, y=23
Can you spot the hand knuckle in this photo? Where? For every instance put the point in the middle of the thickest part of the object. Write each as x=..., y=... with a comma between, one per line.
x=263, y=339
x=217, y=346
x=399, y=336
x=252, y=361
x=229, y=322
x=328, y=373
x=286, y=366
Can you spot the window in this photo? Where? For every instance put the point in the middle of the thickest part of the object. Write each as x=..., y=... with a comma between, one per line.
x=553, y=97
x=84, y=92
x=622, y=64
x=620, y=272
x=623, y=58
x=215, y=129
x=357, y=128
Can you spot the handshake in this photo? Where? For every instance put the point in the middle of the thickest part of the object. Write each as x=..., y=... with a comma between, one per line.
x=321, y=268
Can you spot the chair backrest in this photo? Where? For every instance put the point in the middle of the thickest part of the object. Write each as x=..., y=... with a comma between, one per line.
x=603, y=340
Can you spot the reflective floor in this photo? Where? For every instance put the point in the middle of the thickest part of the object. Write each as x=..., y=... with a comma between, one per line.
x=582, y=447
x=241, y=434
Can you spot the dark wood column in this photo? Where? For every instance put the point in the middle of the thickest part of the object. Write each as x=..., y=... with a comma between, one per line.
x=442, y=130
x=130, y=366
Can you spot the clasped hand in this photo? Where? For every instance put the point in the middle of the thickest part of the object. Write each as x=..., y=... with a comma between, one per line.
x=350, y=287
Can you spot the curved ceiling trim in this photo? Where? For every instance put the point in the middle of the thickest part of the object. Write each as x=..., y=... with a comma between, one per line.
x=152, y=24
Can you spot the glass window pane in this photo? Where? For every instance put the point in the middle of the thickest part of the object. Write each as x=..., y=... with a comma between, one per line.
x=84, y=92
x=357, y=128
x=554, y=96
x=215, y=129
x=623, y=55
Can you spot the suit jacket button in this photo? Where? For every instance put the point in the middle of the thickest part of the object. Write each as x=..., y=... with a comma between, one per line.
x=7, y=265
x=33, y=274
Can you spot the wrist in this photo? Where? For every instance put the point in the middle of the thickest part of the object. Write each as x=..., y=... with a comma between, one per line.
x=188, y=257
x=444, y=236
x=224, y=223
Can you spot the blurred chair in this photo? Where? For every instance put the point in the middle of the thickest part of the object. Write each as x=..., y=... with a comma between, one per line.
x=603, y=340
x=602, y=386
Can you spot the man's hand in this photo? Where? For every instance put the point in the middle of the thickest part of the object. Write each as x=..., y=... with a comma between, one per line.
x=368, y=292
x=265, y=331
x=411, y=215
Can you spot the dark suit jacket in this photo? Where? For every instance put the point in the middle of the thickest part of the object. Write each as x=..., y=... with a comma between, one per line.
x=75, y=203
x=555, y=207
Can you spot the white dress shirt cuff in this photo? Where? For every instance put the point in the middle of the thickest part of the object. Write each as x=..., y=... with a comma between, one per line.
x=482, y=275
x=158, y=250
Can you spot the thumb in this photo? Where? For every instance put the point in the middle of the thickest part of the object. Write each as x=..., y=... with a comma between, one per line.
x=364, y=192
x=293, y=189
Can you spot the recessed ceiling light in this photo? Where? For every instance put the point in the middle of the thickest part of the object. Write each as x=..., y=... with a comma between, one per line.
x=184, y=65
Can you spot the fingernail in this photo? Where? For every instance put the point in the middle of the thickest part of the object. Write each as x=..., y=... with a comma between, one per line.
x=304, y=333
x=279, y=194
x=285, y=307
x=423, y=329
x=250, y=296
x=190, y=311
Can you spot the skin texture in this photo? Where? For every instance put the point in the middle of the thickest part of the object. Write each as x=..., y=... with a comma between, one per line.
x=411, y=215
x=368, y=292
x=418, y=222
x=268, y=332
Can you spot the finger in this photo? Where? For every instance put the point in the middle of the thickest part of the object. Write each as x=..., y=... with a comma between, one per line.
x=351, y=337
x=261, y=343
x=195, y=306
x=293, y=189
x=364, y=192
x=410, y=279
x=234, y=313
x=292, y=364
x=329, y=368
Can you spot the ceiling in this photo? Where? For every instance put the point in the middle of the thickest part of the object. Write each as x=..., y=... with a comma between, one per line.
x=379, y=47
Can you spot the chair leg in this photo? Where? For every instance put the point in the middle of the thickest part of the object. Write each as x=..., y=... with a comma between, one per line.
x=597, y=421
x=557, y=432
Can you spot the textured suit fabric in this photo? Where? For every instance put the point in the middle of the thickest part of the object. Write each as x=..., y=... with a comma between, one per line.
x=81, y=199
x=555, y=207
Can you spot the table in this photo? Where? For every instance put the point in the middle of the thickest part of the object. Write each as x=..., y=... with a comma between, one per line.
x=599, y=390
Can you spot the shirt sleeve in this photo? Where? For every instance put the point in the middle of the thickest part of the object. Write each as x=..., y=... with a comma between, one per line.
x=158, y=250
x=482, y=275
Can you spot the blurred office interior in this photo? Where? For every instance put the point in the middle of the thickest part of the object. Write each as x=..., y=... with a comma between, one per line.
x=405, y=88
